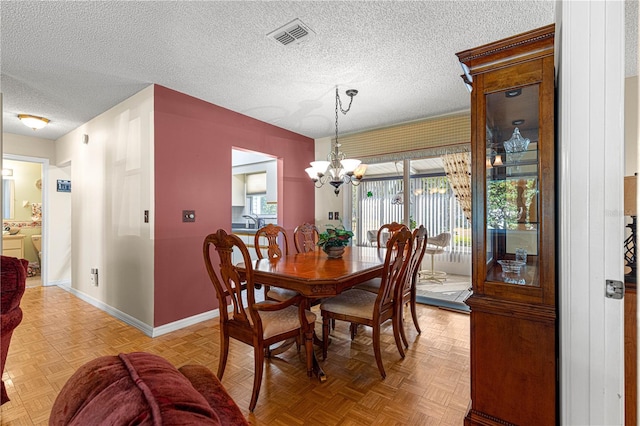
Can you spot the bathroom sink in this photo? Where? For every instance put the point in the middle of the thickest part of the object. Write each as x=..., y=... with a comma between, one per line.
x=10, y=230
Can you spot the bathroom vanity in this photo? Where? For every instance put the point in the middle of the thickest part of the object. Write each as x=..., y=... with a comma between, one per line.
x=13, y=245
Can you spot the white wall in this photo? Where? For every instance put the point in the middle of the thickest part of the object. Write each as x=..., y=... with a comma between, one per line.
x=631, y=125
x=29, y=146
x=326, y=200
x=59, y=229
x=112, y=184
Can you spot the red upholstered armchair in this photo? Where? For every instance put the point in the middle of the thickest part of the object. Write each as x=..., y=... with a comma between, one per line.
x=13, y=281
x=143, y=389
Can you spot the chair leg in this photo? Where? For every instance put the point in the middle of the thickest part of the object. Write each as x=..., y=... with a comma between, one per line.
x=400, y=322
x=258, y=365
x=412, y=303
x=398, y=329
x=376, y=349
x=224, y=353
x=353, y=330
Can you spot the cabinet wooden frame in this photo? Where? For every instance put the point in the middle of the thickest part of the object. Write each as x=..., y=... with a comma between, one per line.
x=524, y=60
x=513, y=325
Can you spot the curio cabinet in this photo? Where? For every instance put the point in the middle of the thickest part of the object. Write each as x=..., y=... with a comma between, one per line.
x=513, y=307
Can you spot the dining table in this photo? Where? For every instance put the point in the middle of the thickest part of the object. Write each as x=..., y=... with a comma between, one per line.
x=314, y=275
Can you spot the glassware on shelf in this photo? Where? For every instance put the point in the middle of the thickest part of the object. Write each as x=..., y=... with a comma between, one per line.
x=511, y=266
x=516, y=146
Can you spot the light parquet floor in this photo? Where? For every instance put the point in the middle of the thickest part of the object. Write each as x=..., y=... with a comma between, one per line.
x=430, y=386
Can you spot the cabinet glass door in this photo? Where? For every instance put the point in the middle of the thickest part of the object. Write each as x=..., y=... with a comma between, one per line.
x=512, y=212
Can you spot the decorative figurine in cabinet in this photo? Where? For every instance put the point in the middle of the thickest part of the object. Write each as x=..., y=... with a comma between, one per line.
x=513, y=307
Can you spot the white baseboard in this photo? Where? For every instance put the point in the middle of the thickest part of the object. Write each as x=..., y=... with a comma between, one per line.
x=59, y=283
x=134, y=322
x=185, y=322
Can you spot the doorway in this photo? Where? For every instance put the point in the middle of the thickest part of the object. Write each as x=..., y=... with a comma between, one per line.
x=25, y=209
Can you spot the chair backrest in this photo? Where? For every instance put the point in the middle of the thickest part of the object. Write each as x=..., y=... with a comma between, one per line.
x=441, y=240
x=272, y=233
x=398, y=248
x=305, y=238
x=389, y=228
x=414, y=260
x=230, y=283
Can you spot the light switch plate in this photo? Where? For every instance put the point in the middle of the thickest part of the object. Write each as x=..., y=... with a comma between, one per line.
x=188, y=215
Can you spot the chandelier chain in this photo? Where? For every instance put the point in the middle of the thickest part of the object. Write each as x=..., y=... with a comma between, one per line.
x=351, y=94
x=338, y=101
x=337, y=169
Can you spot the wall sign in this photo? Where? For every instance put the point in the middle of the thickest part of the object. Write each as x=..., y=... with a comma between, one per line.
x=64, y=185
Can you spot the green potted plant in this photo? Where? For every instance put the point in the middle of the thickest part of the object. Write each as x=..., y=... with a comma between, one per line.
x=334, y=240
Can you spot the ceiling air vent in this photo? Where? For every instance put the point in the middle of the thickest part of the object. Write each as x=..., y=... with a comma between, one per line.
x=295, y=32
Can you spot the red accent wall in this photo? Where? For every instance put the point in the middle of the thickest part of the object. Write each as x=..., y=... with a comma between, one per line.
x=192, y=162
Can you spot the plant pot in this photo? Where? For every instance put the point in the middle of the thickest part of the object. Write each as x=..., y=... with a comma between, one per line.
x=334, y=252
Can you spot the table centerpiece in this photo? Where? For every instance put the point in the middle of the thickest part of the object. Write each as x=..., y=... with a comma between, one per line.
x=334, y=240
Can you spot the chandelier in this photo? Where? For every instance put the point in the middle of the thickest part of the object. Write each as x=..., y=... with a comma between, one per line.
x=337, y=169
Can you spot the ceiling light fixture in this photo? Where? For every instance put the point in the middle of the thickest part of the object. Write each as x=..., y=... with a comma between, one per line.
x=33, y=121
x=338, y=169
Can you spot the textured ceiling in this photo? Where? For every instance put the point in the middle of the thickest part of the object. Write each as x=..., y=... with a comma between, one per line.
x=71, y=61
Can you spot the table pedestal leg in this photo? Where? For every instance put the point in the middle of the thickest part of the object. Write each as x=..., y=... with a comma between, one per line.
x=317, y=370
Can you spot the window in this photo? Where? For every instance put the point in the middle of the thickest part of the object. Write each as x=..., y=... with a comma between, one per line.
x=379, y=199
x=258, y=205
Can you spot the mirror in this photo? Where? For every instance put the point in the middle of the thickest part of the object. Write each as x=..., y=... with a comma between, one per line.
x=8, y=199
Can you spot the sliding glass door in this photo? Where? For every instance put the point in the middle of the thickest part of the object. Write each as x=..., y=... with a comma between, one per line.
x=381, y=197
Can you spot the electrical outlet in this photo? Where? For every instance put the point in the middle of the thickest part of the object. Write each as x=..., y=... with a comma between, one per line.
x=93, y=276
x=330, y=215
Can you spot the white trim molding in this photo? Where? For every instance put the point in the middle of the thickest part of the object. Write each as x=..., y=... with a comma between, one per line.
x=145, y=328
x=591, y=222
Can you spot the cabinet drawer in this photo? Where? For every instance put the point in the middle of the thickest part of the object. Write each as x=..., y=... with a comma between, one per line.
x=11, y=244
x=14, y=252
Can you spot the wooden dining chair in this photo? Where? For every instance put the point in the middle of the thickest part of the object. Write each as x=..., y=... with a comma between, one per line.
x=406, y=289
x=388, y=229
x=366, y=308
x=256, y=324
x=305, y=238
x=385, y=232
x=373, y=285
x=273, y=233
